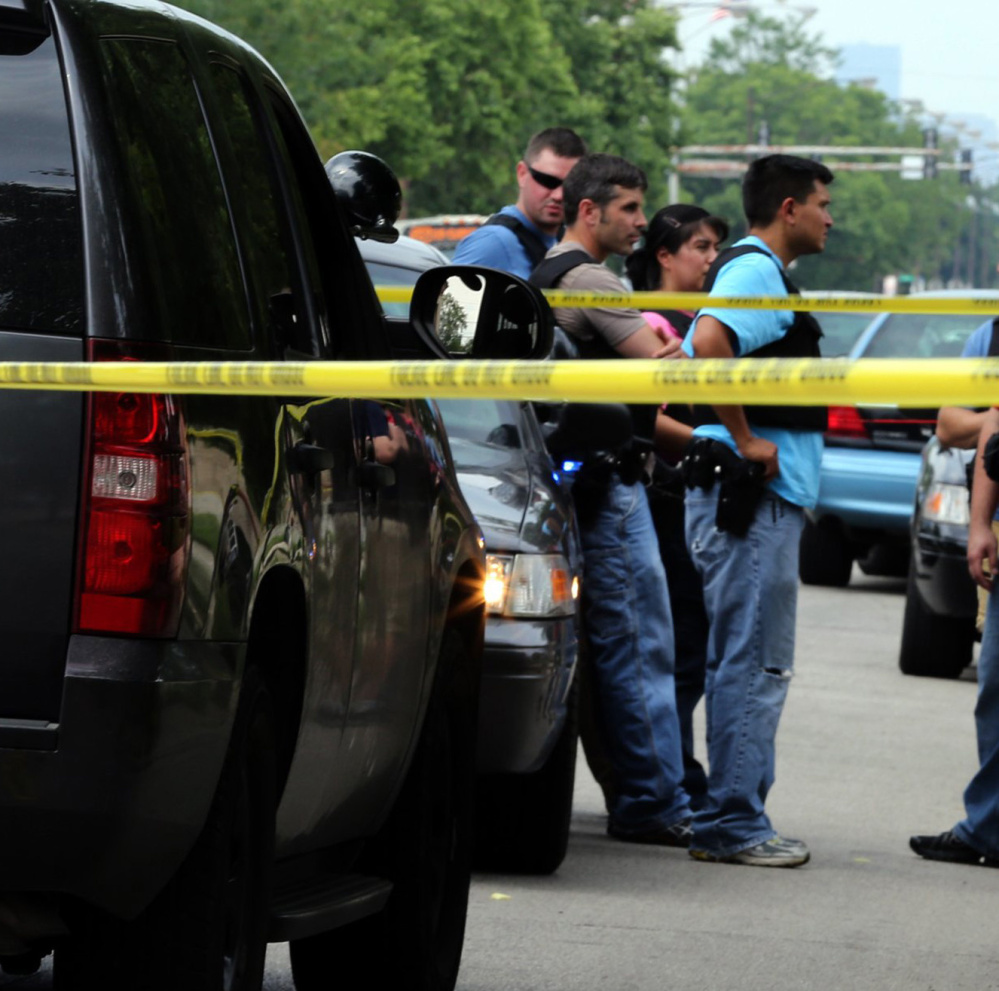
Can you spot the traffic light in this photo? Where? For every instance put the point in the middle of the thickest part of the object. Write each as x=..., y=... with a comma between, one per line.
x=964, y=173
x=930, y=161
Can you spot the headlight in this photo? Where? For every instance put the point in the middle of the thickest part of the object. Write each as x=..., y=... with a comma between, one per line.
x=946, y=503
x=530, y=585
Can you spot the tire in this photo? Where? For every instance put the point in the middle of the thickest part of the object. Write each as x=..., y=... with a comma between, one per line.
x=933, y=646
x=522, y=820
x=824, y=556
x=425, y=850
x=207, y=930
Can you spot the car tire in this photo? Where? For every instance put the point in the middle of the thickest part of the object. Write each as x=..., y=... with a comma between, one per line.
x=824, y=556
x=522, y=820
x=425, y=848
x=207, y=929
x=933, y=646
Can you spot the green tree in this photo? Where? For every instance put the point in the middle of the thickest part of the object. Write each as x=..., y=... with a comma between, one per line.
x=620, y=53
x=446, y=91
x=770, y=77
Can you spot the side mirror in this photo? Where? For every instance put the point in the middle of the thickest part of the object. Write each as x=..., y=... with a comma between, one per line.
x=482, y=313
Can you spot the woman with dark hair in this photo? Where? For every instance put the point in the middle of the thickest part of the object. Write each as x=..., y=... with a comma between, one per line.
x=680, y=245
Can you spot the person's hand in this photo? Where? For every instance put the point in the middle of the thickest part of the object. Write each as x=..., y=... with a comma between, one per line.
x=764, y=451
x=982, y=550
x=672, y=348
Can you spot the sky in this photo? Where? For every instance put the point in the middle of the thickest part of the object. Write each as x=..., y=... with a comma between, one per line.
x=950, y=48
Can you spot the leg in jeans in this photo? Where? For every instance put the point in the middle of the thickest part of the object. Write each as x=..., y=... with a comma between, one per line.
x=630, y=634
x=690, y=626
x=750, y=592
x=980, y=828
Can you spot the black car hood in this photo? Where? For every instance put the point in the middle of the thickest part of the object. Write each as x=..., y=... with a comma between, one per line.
x=513, y=496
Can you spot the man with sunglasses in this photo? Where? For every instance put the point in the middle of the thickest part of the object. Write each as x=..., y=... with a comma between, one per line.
x=517, y=238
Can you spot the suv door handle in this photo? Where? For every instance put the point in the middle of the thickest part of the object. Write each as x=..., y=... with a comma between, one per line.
x=310, y=459
x=373, y=476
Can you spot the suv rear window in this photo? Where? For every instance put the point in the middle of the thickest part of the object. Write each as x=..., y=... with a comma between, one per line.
x=41, y=253
x=191, y=264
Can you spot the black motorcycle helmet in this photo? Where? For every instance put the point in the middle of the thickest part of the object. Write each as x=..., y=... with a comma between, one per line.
x=369, y=193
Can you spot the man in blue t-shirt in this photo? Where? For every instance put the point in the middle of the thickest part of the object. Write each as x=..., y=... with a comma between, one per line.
x=518, y=237
x=751, y=578
x=959, y=426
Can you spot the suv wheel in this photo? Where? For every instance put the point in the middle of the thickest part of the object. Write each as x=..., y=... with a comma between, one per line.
x=824, y=556
x=425, y=850
x=933, y=646
x=207, y=930
x=522, y=820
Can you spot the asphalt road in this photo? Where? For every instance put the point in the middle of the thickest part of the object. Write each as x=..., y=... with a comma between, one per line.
x=866, y=756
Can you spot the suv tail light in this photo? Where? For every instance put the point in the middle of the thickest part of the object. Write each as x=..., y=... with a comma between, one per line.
x=136, y=511
x=846, y=423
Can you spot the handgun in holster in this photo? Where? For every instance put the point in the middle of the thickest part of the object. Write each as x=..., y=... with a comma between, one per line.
x=740, y=482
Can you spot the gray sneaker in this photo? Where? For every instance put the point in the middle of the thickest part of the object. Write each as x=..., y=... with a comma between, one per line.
x=777, y=852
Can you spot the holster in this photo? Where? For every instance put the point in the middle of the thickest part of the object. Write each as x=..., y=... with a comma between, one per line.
x=591, y=483
x=741, y=484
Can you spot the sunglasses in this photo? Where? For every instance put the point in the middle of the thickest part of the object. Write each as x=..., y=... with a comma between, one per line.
x=544, y=179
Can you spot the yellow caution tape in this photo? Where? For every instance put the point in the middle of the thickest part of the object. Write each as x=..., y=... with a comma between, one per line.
x=694, y=301
x=811, y=382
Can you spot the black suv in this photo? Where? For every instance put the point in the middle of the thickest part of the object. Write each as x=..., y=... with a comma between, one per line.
x=241, y=636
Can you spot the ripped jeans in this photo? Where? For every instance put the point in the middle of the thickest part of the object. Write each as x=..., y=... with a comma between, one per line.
x=751, y=594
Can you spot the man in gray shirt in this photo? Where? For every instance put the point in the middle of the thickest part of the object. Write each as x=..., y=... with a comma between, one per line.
x=625, y=602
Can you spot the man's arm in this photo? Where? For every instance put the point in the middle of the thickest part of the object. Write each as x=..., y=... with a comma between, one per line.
x=984, y=498
x=958, y=426
x=711, y=340
x=646, y=343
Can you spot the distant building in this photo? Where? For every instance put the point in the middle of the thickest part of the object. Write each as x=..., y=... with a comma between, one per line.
x=876, y=66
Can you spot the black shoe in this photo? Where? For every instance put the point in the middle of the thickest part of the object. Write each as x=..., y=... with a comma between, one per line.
x=678, y=834
x=949, y=848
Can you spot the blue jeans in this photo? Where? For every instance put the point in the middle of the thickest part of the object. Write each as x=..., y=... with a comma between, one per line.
x=630, y=633
x=980, y=827
x=750, y=593
x=690, y=630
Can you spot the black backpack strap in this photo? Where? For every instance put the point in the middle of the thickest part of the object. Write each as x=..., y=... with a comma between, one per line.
x=534, y=247
x=724, y=257
x=549, y=273
x=994, y=339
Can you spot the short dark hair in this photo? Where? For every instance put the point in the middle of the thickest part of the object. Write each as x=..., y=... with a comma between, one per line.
x=559, y=140
x=772, y=179
x=597, y=178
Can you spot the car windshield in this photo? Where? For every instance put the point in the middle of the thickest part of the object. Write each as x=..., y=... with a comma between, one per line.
x=922, y=335
x=840, y=331
x=482, y=421
x=393, y=275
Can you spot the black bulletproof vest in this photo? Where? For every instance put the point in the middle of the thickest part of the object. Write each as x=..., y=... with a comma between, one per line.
x=534, y=247
x=547, y=275
x=680, y=320
x=801, y=340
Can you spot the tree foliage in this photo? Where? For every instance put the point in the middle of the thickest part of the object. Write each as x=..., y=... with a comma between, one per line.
x=448, y=92
x=768, y=79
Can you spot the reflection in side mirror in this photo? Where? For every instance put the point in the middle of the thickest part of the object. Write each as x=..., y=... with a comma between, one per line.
x=482, y=313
